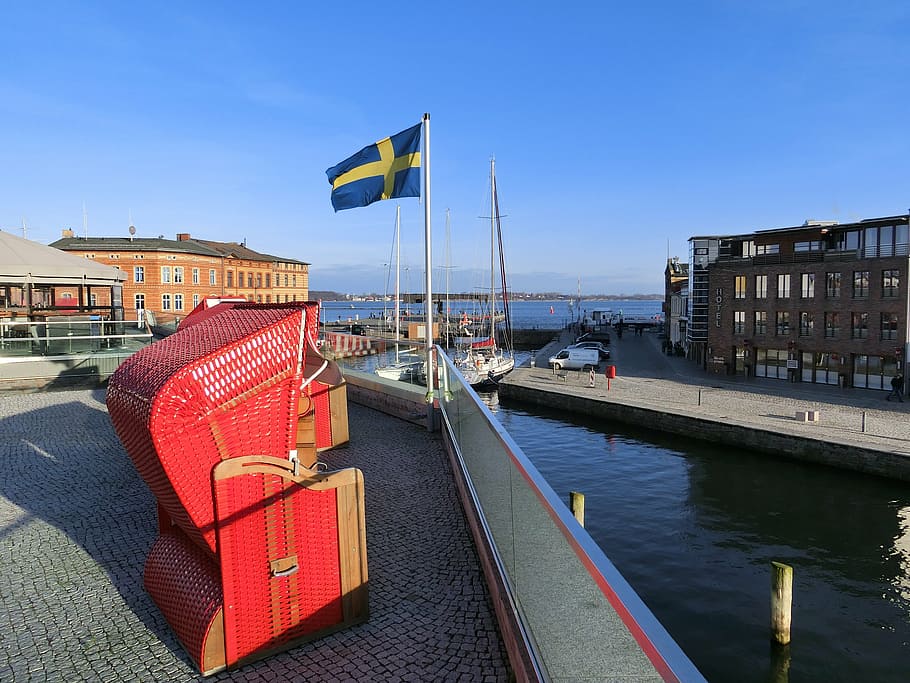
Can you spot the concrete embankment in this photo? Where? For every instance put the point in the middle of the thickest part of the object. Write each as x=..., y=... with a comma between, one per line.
x=856, y=429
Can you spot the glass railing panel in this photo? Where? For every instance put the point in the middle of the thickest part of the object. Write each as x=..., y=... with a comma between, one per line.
x=567, y=593
x=19, y=338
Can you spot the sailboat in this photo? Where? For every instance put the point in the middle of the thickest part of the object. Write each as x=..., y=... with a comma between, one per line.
x=489, y=359
x=409, y=366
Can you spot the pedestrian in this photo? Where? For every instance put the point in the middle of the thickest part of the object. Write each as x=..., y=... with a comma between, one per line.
x=897, y=388
x=591, y=378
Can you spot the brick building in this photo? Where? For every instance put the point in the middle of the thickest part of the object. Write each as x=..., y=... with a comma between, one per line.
x=170, y=277
x=823, y=302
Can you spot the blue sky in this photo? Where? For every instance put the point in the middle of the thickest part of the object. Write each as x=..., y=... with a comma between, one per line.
x=619, y=129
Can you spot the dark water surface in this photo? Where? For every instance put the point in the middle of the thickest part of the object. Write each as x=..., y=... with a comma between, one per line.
x=694, y=528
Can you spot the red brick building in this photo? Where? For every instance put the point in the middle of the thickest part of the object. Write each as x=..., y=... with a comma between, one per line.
x=822, y=302
x=169, y=277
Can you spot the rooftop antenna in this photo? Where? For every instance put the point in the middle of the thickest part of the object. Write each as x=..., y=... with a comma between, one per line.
x=132, y=228
x=84, y=221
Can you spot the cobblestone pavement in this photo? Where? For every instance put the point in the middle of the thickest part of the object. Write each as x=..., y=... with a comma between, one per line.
x=76, y=523
x=648, y=377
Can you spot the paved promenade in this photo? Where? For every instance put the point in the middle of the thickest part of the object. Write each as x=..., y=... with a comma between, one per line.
x=76, y=523
x=649, y=378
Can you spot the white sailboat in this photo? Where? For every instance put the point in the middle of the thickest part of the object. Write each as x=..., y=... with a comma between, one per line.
x=409, y=366
x=489, y=359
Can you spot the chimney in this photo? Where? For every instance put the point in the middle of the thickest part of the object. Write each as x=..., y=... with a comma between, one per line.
x=67, y=232
x=183, y=236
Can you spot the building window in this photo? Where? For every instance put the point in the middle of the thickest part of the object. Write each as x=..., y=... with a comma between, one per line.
x=268, y=280
x=889, y=326
x=258, y=280
x=765, y=249
x=195, y=300
x=230, y=278
x=814, y=245
x=114, y=256
x=806, y=324
x=138, y=273
x=212, y=276
x=891, y=282
x=832, y=285
x=294, y=284
x=138, y=256
x=285, y=279
x=860, y=284
x=195, y=276
x=739, y=322
x=832, y=324
x=165, y=302
x=739, y=287
x=268, y=298
x=761, y=286
x=139, y=301
x=783, y=323
x=178, y=275
x=859, y=325
x=249, y=280
x=165, y=274
x=240, y=278
x=761, y=322
x=783, y=286
x=807, y=285
x=178, y=302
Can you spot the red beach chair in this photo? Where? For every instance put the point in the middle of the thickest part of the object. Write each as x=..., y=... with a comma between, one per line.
x=256, y=553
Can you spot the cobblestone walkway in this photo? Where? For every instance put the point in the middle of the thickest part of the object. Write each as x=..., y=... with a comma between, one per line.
x=76, y=522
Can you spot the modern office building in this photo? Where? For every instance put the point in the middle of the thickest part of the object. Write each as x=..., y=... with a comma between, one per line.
x=823, y=302
x=170, y=277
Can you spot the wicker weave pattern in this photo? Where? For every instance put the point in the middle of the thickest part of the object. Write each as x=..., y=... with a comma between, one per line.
x=241, y=366
x=264, y=518
x=185, y=584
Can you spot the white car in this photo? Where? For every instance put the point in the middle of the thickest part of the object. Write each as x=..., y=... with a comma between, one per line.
x=602, y=351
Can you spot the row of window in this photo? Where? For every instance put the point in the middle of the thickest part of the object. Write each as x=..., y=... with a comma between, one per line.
x=175, y=301
x=861, y=279
x=176, y=275
x=289, y=281
x=859, y=324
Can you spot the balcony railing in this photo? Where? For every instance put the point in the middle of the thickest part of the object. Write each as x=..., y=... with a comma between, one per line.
x=68, y=335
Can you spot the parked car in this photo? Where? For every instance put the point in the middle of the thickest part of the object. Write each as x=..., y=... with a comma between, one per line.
x=602, y=351
x=575, y=359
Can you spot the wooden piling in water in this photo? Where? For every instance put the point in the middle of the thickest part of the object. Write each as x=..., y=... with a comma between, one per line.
x=577, y=506
x=781, y=601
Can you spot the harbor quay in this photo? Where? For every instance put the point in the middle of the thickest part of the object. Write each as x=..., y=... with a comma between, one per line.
x=855, y=429
x=76, y=523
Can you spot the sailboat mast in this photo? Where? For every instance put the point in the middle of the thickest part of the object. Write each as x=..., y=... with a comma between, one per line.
x=397, y=278
x=492, y=249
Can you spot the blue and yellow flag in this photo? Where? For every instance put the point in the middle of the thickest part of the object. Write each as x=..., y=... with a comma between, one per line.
x=384, y=170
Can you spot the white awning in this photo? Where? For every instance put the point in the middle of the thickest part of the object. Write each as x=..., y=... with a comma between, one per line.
x=23, y=261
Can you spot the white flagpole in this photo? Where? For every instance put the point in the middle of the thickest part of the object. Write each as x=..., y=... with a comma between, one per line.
x=428, y=298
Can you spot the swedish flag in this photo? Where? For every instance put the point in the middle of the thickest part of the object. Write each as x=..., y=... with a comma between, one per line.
x=384, y=170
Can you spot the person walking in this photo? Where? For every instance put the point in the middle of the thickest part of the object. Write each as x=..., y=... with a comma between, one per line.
x=897, y=386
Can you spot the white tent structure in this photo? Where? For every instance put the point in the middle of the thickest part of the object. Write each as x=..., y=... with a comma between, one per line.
x=27, y=267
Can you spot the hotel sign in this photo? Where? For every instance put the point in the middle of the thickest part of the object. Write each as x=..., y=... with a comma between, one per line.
x=719, y=305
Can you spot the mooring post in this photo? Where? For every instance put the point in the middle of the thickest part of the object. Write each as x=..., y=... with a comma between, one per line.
x=864, y=422
x=577, y=506
x=781, y=601
x=699, y=397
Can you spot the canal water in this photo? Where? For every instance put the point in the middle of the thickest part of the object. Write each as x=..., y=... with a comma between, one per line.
x=694, y=529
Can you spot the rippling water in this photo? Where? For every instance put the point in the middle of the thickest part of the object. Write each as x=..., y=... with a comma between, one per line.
x=694, y=528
